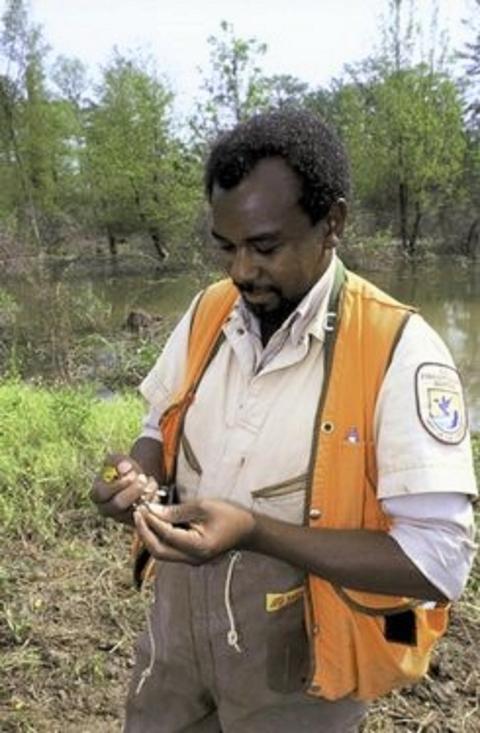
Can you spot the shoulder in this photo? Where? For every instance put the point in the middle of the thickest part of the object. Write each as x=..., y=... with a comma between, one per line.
x=420, y=342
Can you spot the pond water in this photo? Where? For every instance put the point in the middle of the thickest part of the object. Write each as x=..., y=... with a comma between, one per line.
x=449, y=299
x=448, y=296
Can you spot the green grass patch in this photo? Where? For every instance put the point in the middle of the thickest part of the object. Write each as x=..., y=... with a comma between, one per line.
x=52, y=441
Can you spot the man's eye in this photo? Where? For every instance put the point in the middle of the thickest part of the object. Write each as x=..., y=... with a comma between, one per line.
x=267, y=248
x=226, y=247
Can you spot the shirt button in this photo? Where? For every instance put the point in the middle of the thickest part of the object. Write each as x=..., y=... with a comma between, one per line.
x=315, y=513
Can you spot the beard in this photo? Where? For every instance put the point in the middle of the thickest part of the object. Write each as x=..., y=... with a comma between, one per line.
x=270, y=317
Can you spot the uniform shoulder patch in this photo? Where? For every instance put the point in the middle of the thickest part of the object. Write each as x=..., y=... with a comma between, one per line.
x=440, y=402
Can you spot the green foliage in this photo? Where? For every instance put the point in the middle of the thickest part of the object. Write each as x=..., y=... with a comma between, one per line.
x=404, y=133
x=33, y=142
x=112, y=165
x=138, y=177
x=125, y=138
x=52, y=442
x=234, y=86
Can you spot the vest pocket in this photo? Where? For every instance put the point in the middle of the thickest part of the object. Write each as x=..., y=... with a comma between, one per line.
x=288, y=655
x=284, y=500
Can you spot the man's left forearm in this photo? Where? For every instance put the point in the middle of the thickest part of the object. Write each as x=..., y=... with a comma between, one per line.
x=358, y=559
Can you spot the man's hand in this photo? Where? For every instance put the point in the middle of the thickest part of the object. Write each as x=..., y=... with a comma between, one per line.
x=119, y=486
x=192, y=533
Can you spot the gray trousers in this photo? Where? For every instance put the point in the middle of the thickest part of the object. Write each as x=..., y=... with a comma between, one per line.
x=222, y=662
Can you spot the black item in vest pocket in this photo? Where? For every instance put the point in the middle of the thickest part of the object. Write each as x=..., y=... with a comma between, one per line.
x=401, y=628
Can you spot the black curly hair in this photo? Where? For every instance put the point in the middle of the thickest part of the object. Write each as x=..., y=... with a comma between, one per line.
x=305, y=143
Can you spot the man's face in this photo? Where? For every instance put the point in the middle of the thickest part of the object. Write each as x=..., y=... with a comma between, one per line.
x=266, y=242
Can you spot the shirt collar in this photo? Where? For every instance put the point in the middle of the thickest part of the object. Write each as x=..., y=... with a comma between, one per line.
x=307, y=318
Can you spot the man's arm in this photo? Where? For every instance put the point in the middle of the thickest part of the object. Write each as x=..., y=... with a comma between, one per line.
x=358, y=559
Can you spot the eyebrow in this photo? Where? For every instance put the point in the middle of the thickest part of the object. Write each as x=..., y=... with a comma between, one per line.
x=261, y=237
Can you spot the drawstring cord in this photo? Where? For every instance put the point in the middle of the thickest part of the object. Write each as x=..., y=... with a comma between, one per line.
x=232, y=635
x=149, y=668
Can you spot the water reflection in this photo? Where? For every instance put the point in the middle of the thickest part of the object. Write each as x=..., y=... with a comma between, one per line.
x=449, y=299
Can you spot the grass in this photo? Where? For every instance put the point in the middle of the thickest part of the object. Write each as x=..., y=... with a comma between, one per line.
x=52, y=442
x=68, y=611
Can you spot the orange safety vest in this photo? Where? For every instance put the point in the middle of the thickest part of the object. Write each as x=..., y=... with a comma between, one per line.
x=362, y=644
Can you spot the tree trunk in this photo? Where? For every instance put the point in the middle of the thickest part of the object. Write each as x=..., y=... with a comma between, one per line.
x=412, y=241
x=403, y=214
x=112, y=244
x=471, y=244
x=159, y=248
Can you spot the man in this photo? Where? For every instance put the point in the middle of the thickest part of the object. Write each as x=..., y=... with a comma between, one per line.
x=316, y=434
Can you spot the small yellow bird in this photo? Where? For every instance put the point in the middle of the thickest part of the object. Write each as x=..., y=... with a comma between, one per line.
x=109, y=474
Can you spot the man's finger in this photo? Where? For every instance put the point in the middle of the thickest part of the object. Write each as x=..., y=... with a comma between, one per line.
x=155, y=540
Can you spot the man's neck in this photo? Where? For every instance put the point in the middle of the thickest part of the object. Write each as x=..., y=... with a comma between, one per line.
x=271, y=322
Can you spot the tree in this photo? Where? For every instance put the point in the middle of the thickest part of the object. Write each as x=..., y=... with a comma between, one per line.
x=402, y=121
x=283, y=90
x=234, y=87
x=138, y=177
x=22, y=98
x=36, y=156
x=471, y=57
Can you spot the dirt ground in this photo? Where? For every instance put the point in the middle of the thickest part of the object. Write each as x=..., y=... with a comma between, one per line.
x=69, y=617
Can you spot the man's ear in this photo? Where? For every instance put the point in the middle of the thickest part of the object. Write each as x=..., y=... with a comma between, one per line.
x=335, y=222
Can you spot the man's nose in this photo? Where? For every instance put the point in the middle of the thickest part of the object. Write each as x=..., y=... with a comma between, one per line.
x=243, y=267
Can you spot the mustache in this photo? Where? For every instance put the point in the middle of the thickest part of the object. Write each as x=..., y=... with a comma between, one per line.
x=248, y=287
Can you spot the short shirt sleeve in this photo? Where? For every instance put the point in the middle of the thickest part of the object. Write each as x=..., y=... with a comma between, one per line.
x=422, y=440
x=165, y=377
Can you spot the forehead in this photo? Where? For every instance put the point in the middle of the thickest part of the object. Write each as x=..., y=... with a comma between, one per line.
x=270, y=192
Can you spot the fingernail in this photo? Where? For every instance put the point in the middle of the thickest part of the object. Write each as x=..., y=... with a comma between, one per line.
x=124, y=466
